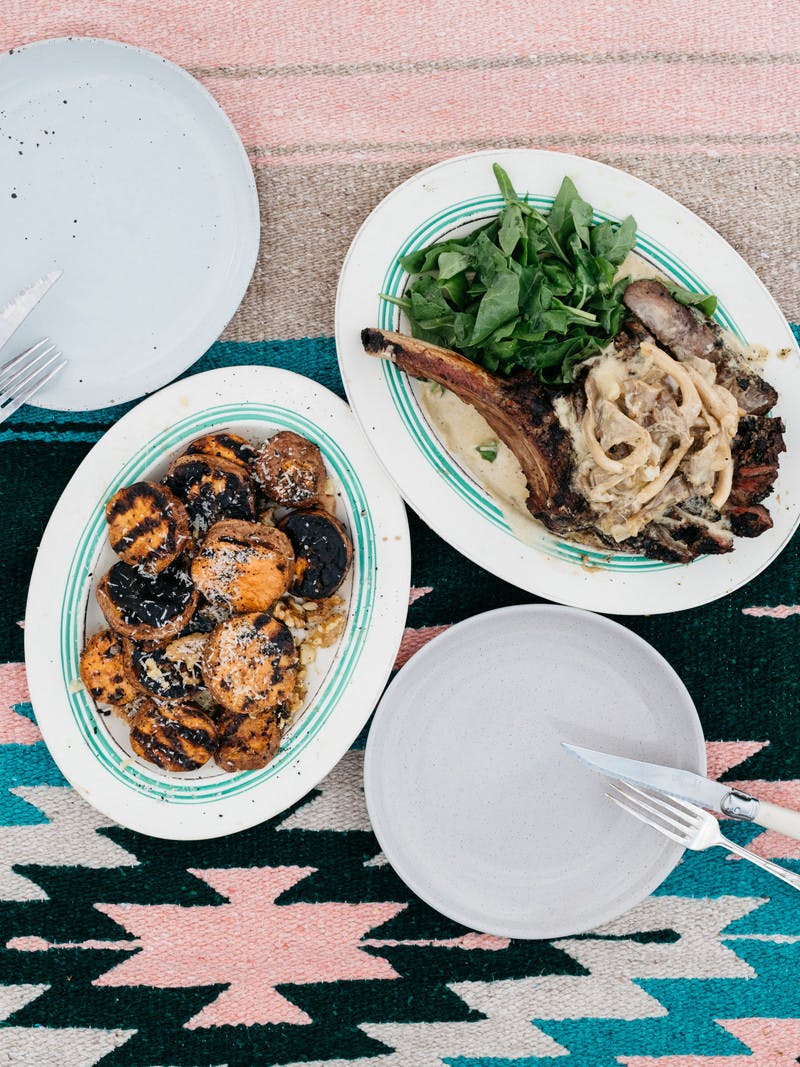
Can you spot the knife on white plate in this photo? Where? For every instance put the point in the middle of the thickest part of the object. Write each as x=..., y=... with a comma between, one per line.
x=17, y=310
x=692, y=787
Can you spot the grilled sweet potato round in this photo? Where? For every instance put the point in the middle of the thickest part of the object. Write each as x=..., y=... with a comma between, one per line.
x=144, y=607
x=148, y=526
x=211, y=489
x=250, y=663
x=291, y=470
x=176, y=737
x=171, y=672
x=102, y=670
x=224, y=445
x=247, y=742
x=244, y=564
x=323, y=552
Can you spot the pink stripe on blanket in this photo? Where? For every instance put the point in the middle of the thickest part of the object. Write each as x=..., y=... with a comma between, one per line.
x=414, y=109
x=780, y=611
x=413, y=640
x=281, y=32
x=15, y=729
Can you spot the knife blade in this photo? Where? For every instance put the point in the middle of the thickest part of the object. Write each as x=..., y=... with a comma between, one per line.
x=692, y=787
x=18, y=309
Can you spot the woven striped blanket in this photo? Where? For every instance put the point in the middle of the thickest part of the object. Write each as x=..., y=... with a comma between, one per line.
x=289, y=944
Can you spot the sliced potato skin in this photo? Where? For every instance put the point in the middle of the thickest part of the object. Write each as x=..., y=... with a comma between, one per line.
x=245, y=565
x=175, y=737
x=212, y=489
x=146, y=608
x=103, y=671
x=290, y=470
x=250, y=663
x=161, y=672
x=148, y=526
x=323, y=552
x=224, y=445
x=247, y=742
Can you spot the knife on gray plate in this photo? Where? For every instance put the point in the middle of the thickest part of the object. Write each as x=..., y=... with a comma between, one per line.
x=24, y=303
x=692, y=787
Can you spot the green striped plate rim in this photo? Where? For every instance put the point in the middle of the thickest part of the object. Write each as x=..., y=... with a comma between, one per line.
x=407, y=407
x=121, y=765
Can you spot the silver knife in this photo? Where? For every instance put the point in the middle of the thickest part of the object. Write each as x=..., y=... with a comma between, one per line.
x=692, y=787
x=23, y=304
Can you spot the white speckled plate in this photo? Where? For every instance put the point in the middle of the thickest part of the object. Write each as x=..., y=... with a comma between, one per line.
x=476, y=805
x=118, y=168
x=455, y=196
x=344, y=681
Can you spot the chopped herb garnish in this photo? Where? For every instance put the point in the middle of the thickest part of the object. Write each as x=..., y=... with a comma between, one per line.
x=488, y=451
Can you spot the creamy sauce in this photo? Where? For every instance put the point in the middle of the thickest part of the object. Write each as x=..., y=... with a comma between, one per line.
x=462, y=431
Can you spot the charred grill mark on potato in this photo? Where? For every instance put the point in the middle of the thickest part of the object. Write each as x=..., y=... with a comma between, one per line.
x=250, y=663
x=246, y=565
x=323, y=552
x=144, y=607
x=168, y=673
x=290, y=470
x=175, y=737
x=211, y=489
x=247, y=742
x=102, y=670
x=147, y=525
x=228, y=446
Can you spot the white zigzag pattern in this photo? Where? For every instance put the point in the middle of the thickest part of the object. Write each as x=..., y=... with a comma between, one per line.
x=613, y=960
x=70, y=1047
x=70, y=838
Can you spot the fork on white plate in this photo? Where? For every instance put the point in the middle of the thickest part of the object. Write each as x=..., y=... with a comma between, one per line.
x=687, y=824
x=24, y=375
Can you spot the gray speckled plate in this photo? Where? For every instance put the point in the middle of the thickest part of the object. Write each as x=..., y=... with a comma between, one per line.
x=121, y=170
x=476, y=805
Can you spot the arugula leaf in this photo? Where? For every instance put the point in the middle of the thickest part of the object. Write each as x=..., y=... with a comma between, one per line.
x=512, y=229
x=705, y=302
x=451, y=263
x=499, y=304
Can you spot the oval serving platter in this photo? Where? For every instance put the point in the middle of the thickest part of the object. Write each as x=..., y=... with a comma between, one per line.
x=456, y=195
x=344, y=682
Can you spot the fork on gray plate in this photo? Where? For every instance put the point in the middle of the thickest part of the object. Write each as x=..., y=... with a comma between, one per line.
x=25, y=374
x=687, y=824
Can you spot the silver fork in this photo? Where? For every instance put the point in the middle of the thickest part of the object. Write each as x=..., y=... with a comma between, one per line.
x=26, y=373
x=687, y=824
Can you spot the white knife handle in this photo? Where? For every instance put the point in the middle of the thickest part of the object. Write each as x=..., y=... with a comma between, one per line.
x=782, y=820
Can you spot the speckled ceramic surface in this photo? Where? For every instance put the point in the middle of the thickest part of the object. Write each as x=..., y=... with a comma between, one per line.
x=120, y=169
x=471, y=796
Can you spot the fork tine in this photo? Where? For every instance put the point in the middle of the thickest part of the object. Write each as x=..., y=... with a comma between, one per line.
x=669, y=805
x=14, y=372
x=42, y=379
x=30, y=372
x=642, y=817
x=9, y=363
x=644, y=803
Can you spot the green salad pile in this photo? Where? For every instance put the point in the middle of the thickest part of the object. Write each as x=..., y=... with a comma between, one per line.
x=526, y=290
